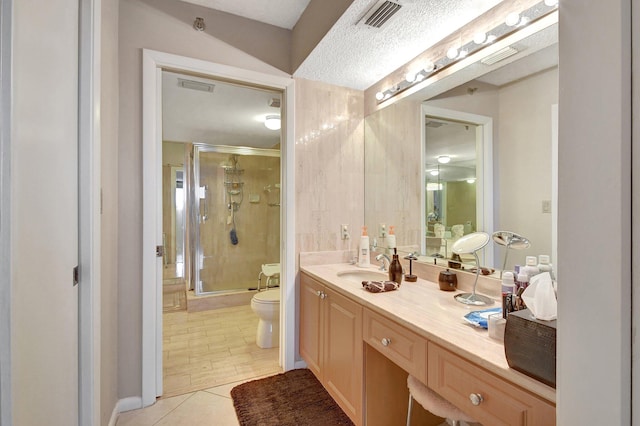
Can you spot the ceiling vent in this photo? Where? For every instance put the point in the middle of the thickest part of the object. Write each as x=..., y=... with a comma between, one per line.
x=500, y=55
x=195, y=85
x=274, y=102
x=379, y=14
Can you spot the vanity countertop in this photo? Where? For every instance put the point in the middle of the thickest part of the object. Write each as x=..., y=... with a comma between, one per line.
x=434, y=314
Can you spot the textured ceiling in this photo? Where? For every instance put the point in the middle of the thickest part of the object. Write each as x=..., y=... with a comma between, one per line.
x=350, y=56
x=356, y=56
x=281, y=13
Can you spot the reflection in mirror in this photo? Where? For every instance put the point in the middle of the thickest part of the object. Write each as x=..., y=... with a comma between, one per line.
x=519, y=99
x=458, y=194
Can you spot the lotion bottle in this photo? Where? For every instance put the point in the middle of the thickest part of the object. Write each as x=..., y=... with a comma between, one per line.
x=391, y=239
x=545, y=266
x=363, y=253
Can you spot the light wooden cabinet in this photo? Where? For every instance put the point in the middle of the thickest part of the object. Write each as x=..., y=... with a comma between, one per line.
x=331, y=343
x=403, y=347
x=486, y=397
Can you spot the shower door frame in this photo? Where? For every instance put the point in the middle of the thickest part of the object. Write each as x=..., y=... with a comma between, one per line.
x=196, y=257
x=153, y=62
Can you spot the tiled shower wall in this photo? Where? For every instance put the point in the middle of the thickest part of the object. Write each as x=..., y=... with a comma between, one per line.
x=228, y=266
x=329, y=165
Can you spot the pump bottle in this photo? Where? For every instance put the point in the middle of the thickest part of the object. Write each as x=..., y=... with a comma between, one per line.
x=363, y=253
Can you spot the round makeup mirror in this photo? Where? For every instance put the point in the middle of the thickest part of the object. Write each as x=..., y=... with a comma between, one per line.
x=471, y=244
x=510, y=240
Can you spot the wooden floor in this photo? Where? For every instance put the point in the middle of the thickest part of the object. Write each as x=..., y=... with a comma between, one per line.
x=212, y=348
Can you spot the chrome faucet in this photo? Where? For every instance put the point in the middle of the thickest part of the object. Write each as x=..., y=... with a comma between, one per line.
x=385, y=261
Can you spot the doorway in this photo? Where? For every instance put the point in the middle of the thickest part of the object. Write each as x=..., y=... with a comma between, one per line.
x=153, y=64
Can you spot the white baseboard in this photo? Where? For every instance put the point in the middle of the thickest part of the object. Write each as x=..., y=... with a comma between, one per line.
x=125, y=404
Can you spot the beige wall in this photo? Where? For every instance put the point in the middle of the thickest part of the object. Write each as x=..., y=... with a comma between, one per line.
x=143, y=26
x=594, y=180
x=329, y=165
x=521, y=113
x=109, y=222
x=392, y=163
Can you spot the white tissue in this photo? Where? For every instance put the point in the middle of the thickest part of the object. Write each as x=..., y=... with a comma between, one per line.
x=540, y=297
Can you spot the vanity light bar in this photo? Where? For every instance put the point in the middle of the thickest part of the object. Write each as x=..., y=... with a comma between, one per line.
x=480, y=41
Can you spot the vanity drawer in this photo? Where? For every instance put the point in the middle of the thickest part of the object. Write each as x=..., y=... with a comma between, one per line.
x=405, y=348
x=482, y=395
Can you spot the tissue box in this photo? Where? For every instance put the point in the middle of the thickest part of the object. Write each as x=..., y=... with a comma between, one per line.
x=530, y=346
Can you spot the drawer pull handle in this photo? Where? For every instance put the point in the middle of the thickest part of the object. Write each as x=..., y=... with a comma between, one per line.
x=318, y=293
x=386, y=342
x=323, y=295
x=476, y=398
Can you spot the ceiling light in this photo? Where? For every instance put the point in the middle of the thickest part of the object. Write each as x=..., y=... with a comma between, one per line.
x=444, y=159
x=512, y=19
x=434, y=173
x=452, y=53
x=429, y=67
x=480, y=38
x=272, y=122
x=472, y=180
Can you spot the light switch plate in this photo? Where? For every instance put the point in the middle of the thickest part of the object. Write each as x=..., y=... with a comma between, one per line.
x=546, y=206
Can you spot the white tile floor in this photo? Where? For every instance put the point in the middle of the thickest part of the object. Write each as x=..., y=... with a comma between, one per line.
x=211, y=406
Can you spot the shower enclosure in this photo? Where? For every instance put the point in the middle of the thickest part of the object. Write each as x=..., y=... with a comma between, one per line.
x=233, y=221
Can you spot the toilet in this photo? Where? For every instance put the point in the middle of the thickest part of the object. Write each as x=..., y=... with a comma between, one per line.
x=266, y=304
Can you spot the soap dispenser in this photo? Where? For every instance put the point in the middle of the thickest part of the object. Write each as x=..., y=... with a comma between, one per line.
x=395, y=269
x=363, y=253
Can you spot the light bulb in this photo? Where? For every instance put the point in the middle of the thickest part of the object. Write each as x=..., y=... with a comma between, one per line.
x=551, y=3
x=463, y=54
x=512, y=19
x=434, y=173
x=429, y=67
x=419, y=77
x=452, y=53
x=480, y=38
x=410, y=77
x=379, y=96
x=444, y=159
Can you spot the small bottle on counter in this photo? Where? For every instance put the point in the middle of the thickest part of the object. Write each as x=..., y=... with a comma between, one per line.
x=544, y=265
x=395, y=269
x=530, y=268
x=391, y=238
x=363, y=252
x=522, y=281
x=508, y=282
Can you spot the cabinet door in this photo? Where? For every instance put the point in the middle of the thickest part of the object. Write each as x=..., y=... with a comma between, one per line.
x=311, y=323
x=487, y=398
x=343, y=353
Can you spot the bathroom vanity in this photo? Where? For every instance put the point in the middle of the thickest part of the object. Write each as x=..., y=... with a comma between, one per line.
x=362, y=345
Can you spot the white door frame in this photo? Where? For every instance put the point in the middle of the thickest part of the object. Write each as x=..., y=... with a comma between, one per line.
x=152, y=64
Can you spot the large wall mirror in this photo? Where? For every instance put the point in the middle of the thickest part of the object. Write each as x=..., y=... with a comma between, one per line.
x=474, y=151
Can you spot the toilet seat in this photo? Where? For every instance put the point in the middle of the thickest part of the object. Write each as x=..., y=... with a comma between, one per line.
x=267, y=297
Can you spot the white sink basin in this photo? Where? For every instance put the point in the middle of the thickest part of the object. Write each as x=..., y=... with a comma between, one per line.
x=363, y=275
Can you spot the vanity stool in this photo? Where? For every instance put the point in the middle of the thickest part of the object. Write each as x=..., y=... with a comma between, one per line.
x=433, y=403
